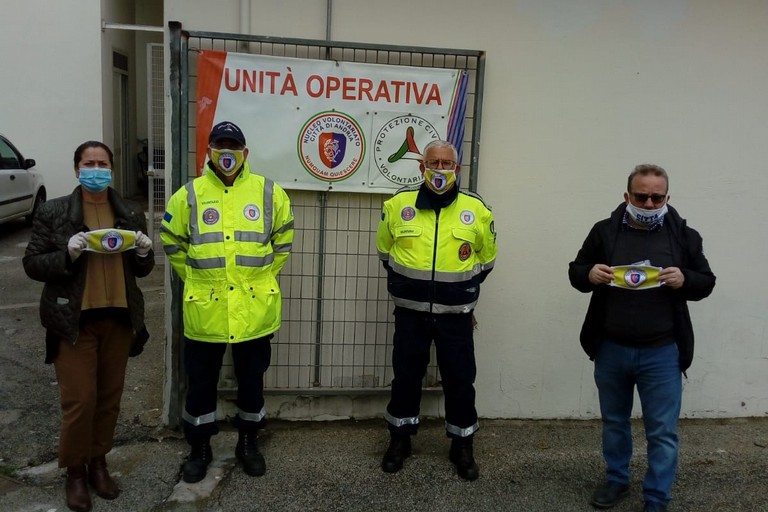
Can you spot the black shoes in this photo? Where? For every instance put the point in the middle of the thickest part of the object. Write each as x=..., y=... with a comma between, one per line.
x=399, y=450
x=247, y=452
x=196, y=466
x=609, y=494
x=461, y=455
x=654, y=506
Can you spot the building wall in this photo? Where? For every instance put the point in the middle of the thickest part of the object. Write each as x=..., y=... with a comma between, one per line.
x=50, y=99
x=576, y=94
x=57, y=90
x=150, y=13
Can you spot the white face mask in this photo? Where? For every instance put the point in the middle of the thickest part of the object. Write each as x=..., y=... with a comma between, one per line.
x=646, y=217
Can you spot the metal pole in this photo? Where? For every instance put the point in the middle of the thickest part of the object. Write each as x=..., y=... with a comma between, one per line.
x=477, y=122
x=321, y=242
x=319, y=292
x=123, y=26
x=175, y=369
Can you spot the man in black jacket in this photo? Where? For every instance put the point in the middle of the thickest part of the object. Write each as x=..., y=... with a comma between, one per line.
x=642, y=265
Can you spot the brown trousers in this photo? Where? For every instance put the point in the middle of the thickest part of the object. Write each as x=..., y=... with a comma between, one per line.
x=91, y=374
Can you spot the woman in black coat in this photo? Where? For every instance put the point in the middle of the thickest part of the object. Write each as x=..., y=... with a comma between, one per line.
x=88, y=248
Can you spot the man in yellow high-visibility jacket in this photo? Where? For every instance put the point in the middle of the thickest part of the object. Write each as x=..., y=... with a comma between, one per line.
x=438, y=244
x=227, y=234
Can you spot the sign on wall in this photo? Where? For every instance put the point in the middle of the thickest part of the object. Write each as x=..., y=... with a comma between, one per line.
x=329, y=125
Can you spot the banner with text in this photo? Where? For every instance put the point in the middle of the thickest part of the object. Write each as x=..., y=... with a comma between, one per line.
x=328, y=125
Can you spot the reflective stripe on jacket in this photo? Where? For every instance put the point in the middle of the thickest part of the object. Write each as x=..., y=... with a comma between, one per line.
x=228, y=244
x=436, y=261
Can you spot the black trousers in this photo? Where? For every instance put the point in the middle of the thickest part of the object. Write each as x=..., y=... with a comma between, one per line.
x=454, y=345
x=202, y=361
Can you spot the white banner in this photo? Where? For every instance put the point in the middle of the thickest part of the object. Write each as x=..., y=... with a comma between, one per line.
x=327, y=125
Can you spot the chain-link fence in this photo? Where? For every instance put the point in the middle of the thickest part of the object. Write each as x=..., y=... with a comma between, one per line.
x=337, y=315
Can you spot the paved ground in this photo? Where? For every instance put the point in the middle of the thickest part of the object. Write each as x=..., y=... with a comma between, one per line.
x=525, y=465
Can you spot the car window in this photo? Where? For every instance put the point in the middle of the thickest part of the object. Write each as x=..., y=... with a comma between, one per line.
x=9, y=159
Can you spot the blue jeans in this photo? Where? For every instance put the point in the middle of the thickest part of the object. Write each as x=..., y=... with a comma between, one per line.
x=656, y=372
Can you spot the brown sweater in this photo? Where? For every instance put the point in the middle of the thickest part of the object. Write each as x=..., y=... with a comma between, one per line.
x=105, y=278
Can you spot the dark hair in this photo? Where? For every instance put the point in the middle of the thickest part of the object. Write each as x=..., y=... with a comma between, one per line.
x=93, y=144
x=645, y=170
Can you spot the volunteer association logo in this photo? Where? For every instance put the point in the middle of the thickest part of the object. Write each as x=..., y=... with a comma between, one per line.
x=634, y=277
x=407, y=213
x=397, y=150
x=331, y=146
x=251, y=212
x=112, y=241
x=211, y=216
x=465, y=251
x=467, y=217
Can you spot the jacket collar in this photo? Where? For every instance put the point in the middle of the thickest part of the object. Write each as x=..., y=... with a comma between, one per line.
x=428, y=200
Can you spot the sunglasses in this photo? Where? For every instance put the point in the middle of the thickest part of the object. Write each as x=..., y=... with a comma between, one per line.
x=655, y=198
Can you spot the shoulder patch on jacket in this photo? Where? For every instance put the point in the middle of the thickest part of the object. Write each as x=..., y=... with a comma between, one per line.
x=476, y=196
x=408, y=188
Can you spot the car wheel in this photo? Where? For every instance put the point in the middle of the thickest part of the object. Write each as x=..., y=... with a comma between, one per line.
x=39, y=199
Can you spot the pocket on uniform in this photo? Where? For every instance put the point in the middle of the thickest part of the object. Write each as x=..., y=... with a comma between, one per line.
x=405, y=235
x=466, y=235
x=201, y=305
x=260, y=311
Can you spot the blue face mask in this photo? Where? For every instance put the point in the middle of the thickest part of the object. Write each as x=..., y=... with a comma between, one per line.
x=95, y=179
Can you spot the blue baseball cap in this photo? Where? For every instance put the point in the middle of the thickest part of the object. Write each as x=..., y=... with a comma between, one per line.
x=227, y=130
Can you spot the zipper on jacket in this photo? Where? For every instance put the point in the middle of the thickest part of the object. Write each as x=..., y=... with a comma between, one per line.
x=434, y=261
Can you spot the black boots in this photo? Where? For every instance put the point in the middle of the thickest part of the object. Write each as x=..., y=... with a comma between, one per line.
x=399, y=450
x=461, y=455
x=78, y=497
x=196, y=466
x=247, y=452
x=200, y=456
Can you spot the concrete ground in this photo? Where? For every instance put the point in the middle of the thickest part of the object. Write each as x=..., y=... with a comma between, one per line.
x=525, y=465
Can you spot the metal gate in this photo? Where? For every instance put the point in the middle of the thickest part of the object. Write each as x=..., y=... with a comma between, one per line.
x=155, y=144
x=337, y=316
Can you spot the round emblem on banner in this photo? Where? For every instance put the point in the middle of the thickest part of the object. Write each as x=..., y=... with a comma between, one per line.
x=407, y=213
x=465, y=251
x=467, y=217
x=211, y=216
x=331, y=146
x=634, y=277
x=251, y=212
x=112, y=241
x=398, y=148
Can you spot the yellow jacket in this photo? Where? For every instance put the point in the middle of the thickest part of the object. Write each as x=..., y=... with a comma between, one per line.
x=436, y=260
x=228, y=244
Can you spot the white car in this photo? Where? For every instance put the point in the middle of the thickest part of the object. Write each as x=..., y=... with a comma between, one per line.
x=22, y=188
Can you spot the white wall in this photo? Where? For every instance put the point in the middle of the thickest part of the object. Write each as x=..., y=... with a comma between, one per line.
x=57, y=80
x=150, y=13
x=50, y=99
x=576, y=94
